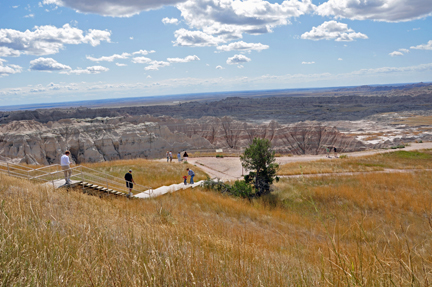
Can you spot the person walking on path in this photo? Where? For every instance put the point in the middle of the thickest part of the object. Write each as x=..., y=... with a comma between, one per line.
x=328, y=151
x=335, y=151
x=170, y=156
x=65, y=165
x=129, y=182
x=179, y=157
x=167, y=156
x=192, y=174
x=185, y=156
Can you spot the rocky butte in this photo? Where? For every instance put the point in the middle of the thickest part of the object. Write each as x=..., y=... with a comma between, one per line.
x=127, y=137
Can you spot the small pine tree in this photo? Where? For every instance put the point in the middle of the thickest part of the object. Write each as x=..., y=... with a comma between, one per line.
x=259, y=158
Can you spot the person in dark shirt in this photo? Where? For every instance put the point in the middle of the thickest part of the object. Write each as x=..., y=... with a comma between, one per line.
x=129, y=182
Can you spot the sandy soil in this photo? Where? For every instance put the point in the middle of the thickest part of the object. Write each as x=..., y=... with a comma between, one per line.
x=229, y=168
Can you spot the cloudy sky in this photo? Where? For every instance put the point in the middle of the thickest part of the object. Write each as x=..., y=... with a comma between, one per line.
x=70, y=50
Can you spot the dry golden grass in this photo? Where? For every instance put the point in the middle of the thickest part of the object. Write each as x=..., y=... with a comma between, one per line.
x=415, y=121
x=149, y=173
x=379, y=162
x=371, y=230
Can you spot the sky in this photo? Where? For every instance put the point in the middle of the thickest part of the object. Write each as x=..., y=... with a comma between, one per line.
x=74, y=50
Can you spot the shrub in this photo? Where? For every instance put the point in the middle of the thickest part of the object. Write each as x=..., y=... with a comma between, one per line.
x=238, y=189
x=343, y=156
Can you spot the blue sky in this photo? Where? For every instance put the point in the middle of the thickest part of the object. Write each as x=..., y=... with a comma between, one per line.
x=71, y=50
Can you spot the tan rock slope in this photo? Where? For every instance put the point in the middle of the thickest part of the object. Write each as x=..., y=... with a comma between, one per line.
x=127, y=137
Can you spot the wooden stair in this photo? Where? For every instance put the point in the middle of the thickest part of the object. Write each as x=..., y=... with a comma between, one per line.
x=103, y=189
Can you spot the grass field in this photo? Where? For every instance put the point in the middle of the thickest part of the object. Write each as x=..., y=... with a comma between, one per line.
x=366, y=230
x=379, y=162
x=149, y=173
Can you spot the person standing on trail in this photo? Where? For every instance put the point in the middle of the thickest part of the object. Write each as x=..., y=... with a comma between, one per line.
x=129, y=182
x=328, y=151
x=170, y=156
x=167, y=156
x=179, y=157
x=185, y=156
x=65, y=165
x=192, y=174
x=335, y=151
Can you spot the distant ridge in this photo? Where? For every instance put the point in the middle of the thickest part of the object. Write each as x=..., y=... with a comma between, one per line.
x=169, y=99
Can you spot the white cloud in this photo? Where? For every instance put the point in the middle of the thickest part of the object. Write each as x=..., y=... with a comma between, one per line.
x=141, y=60
x=121, y=65
x=8, y=69
x=340, y=59
x=46, y=40
x=37, y=90
x=143, y=52
x=240, y=66
x=180, y=85
x=88, y=70
x=388, y=70
x=195, y=39
x=131, y=38
x=8, y=52
x=109, y=58
x=396, y=53
x=47, y=65
x=50, y=65
x=237, y=59
x=29, y=16
x=229, y=19
x=113, y=8
x=184, y=60
x=243, y=46
x=330, y=30
x=379, y=10
x=219, y=68
x=149, y=77
x=401, y=52
x=155, y=65
x=308, y=63
x=167, y=20
x=15, y=6
x=427, y=46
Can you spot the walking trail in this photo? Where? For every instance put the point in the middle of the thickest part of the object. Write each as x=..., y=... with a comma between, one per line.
x=229, y=168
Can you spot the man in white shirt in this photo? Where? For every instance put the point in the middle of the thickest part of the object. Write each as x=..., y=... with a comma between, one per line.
x=65, y=165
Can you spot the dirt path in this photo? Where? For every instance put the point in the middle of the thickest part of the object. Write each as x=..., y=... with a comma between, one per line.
x=229, y=168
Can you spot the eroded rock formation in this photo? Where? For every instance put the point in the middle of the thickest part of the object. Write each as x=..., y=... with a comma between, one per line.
x=92, y=140
x=103, y=139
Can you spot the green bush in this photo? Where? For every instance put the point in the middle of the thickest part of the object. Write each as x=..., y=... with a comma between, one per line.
x=343, y=156
x=219, y=156
x=238, y=189
x=241, y=189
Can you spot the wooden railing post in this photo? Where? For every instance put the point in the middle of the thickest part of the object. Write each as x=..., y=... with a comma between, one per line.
x=52, y=179
x=82, y=178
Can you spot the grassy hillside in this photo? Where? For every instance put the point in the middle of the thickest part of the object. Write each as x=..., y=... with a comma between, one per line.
x=378, y=162
x=149, y=173
x=366, y=230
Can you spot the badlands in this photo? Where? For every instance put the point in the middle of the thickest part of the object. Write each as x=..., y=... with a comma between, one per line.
x=351, y=119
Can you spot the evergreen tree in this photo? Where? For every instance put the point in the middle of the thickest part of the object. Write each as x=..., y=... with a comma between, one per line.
x=259, y=158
